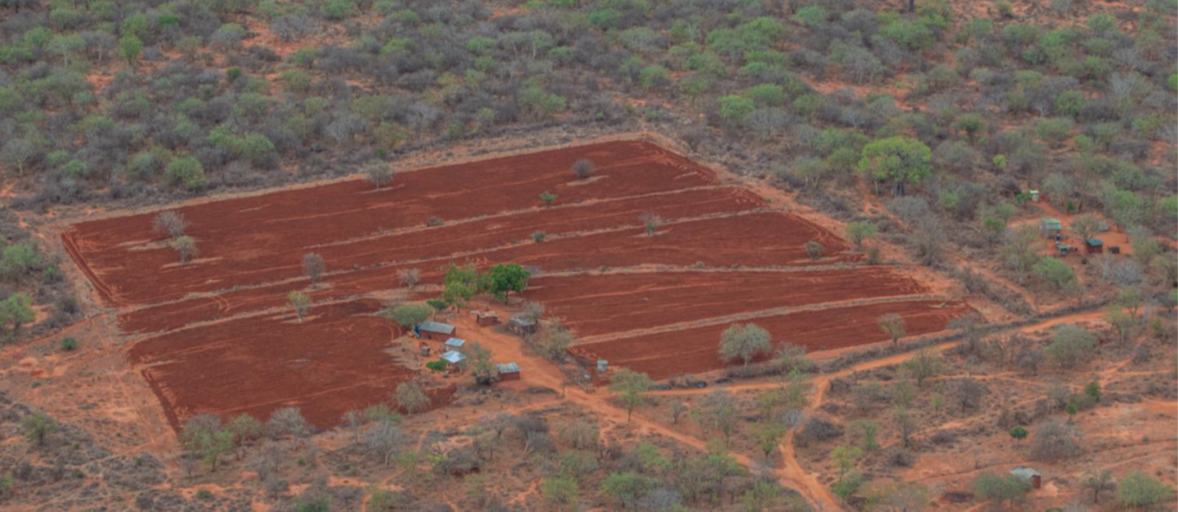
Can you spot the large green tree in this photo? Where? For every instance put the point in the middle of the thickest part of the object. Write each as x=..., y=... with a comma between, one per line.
x=897, y=159
x=508, y=278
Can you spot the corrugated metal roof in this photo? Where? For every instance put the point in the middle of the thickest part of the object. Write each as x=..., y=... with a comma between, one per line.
x=1025, y=472
x=436, y=327
x=455, y=342
x=508, y=368
x=453, y=357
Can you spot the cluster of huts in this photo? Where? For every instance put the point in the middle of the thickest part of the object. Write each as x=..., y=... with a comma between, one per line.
x=453, y=349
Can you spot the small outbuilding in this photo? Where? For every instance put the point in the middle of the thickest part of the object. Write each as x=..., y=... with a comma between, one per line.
x=602, y=366
x=522, y=326
x=1094, y=246
x=508, y=371
x=486, y=318
x=1050, y=226
x=1034, y=196
x=453, y=360
x=1030, y=475
x=436, y=331
x=454, y=344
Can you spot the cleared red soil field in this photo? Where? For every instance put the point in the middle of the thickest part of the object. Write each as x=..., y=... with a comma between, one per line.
x=216, y=344
x=325, y=365
x=666, y=354
x=241, y=237
x=600, y=304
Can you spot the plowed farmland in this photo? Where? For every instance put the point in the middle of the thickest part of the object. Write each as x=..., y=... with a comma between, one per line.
x=212, y=335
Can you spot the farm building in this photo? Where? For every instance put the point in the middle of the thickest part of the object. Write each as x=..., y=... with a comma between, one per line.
x=485, y=318
x=1094, y=246
x=508, y=371
x=436, y=331
x=1030, y=475
x=454, y=344
x=453, y=360
x=522, y=326
x=1050, y=226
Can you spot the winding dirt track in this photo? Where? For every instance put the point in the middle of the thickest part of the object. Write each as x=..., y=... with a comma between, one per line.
x=213, y=341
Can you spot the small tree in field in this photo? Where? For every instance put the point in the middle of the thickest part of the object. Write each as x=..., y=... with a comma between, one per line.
x=410, y=277
x=859, y=231
x=408, y=315
x=548, y=198
x=651, y=223
x=813, y=249
x=186, y=246
x=583, y=168
x=378, y=173
x=892, y=325
x=313, y=267
x=508, y=278
x=630, y=386
x=300, y=303
x=171, y=223
x=744, y=342
x=411, y=398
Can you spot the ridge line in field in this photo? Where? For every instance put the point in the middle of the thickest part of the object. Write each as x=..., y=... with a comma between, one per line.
x=450, y=256
x=532, y=209
x=750, y=315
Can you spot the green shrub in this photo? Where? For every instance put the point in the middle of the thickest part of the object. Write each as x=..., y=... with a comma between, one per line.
x=436, y=366
x=69, y=344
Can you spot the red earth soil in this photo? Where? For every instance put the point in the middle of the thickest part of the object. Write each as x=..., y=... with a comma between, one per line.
x=329, y=363
x=667, y=354
x=240, y=237
x=200, y=360
x=757, y=239
x=599, y=304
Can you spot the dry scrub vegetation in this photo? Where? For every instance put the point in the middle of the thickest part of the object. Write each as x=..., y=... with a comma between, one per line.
x=907, y=135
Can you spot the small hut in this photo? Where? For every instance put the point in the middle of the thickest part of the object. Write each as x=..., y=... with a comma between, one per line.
x=486, y=318
x=1034, y=196
x=454, y=345
x=508, y=371
x=1094, y=246
x=602, y=366
x=436, y=331
x=522, y=326
x=454, y=360
x=1050, y=226
x=1029, y=475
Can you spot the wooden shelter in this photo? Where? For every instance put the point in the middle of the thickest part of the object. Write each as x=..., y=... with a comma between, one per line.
x=508, y=371
x=436, y=331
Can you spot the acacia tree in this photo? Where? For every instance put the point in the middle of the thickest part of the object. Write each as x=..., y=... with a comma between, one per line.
x=1098, y=481
x=893, y=325
x=38, y=427
x=813, y=249
x=171, y=223
x=411, y=398
x=186, y=247
x=651, y=223
x=378, y=173
x=859, y=231
x=313, y=267
x=744, y=342
x=16, y=311
x=922, y=365
x=898, y=159
x=630, y=386
x=1085, y=225
x=409, y=277
x=482, y=361
x=583, y=168
x=300, y=302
